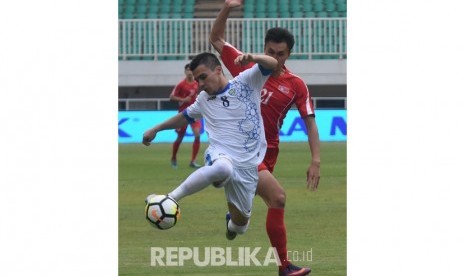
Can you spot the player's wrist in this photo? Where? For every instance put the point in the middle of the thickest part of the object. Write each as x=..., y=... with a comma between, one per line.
x=316, y=162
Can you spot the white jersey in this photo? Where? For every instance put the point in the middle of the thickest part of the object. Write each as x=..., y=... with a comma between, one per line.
x=233, y=120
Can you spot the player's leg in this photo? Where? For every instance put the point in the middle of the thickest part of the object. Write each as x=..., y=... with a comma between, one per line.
x=180, y=132
x=240, y=192
x=274, y=196
x=236, y=222
x=220, y=170
x=196, y=145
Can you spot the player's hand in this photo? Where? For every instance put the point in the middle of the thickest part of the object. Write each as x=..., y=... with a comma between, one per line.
x=243, y=59
x=233, y=3
x=187, y=99
x=313, y=176
x=149, y=135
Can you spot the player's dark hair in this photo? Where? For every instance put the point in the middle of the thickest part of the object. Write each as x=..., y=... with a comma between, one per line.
x=186, y=66
x=207, y=59
x=279, y=35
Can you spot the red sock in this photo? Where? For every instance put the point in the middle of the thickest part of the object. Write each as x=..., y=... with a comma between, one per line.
x=175, y=149
x=195, y=148
x=277, y=233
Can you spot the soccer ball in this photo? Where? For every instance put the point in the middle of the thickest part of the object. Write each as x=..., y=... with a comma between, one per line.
x=162, y=211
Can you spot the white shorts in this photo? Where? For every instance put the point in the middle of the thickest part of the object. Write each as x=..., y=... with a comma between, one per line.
x=240, y=188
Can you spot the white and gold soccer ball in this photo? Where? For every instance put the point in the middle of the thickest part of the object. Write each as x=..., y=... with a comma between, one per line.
x=162, y=211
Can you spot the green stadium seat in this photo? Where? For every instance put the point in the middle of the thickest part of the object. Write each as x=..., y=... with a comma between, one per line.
x=154, y=2
x=284, y=14
x=341, y=7
x=141, y=8
x=343, y=14
x=295, y=6
x=152, y=9
x=272, y=14
x=297, y=14
x=127, y=15
x=260, y=8
x=130, y=9
x=152, y=15
x=318, y=7
x=333, y=14
x=283, y=5
x=139, y=15
x=249, y=14
x=330, y=7
x=307, y=7
x=322, y=14
x=260, y=15
x=310, y=14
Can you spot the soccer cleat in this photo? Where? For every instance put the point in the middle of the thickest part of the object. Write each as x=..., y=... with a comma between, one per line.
x=194, y=165
x=174, y=163
x=230, y=235
x=293, y=270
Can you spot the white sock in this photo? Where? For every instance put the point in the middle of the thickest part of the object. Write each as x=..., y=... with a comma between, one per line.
x=198, y=180
x=236, y=228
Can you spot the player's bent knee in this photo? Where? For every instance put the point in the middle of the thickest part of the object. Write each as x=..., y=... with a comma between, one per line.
x=278, y=199
x=224, y=171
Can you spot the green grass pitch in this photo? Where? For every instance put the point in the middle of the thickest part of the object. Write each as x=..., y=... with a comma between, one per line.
x=316, y=222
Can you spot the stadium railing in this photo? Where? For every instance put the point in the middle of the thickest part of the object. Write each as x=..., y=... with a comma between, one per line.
x=181, y=39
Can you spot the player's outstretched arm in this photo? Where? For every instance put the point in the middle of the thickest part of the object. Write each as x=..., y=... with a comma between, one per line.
x=217, y=39
x=313, y=171
x=176, y=121
x=267, y=62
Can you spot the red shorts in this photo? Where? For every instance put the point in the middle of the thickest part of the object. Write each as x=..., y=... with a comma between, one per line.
x=271, y=157
x=196, y=124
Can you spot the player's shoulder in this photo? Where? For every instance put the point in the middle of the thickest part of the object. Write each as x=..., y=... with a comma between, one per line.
x=293, y=79
x=202, y=95
x=288, y=74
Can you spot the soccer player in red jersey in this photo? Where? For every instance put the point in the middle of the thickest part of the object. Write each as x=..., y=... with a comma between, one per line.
x=280, y=92
x=185, y=93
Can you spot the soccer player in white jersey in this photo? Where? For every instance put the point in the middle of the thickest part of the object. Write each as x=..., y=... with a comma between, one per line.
x=233, y=123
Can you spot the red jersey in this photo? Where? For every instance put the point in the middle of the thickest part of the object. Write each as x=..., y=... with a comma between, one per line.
x=277, y=96
x=184, y=89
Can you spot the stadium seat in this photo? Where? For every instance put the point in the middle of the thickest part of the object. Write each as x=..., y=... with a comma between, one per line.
x=342, y=7
x=272, y=14
x=322, y=14
x=283, y=5
x=333, y=14
x=307, y=7
x=330, y=7
x=189, y=9
x=318, y=7
x=284, y=14
x=140, y=8
x=295, y=6
x=152, y=9
x=310, y=14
